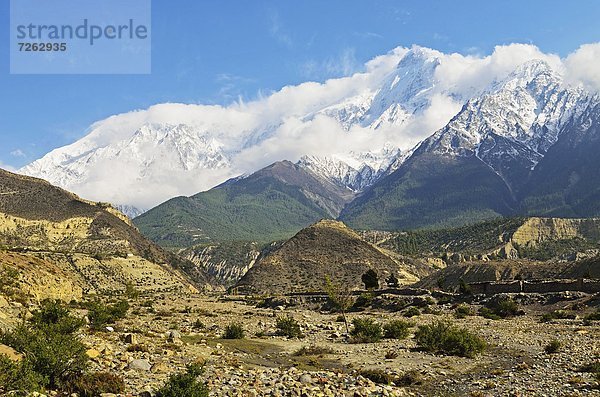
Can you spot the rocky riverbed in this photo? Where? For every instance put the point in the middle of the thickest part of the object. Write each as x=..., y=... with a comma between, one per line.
x=162, y=335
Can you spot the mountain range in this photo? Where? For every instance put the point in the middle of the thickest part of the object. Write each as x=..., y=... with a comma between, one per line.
x=521, y=142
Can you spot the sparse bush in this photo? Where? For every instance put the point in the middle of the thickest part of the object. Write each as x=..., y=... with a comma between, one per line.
x=503, y=307
x=198, y=324
x=593, y=368
x=185, y=384
x=101, y=314
x=463, y=311
x=364, y=300
x=95, y=383
x=313, y=350
x=464, y=288
x=391, y=354
x=377, y=376
x=411, y=312
x=340, y=297
x=595, y=316
x=365, y=330
x=396, y=329
x=553, y=347
x=556, y=315
x=49, y=344
x=18, y=376
x=443, y=338
x=409, y=378
x=287, y=326
x=234, y=331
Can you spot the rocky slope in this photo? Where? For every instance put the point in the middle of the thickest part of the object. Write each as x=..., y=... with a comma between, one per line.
x=63, y=246
x=327, y=248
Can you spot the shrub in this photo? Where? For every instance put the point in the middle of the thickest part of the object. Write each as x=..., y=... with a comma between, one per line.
x=365, y=330
x=557, y=314
x=101, y=314
x=391, y=354
x=234, y=331
x=553, y=347
x=412, y=312
x=49, y=344
x=364, y=300
x=396, y=329
x=185, y=384
x=340, y=296
x=409, y=378
x=377, y=376
x=463, y=311
x=18, y=376
x=593, y=368
x=595, y=316
x=443, y=338
x=95, y=383
x=287, y=326
x=313, y=350
x=503, y=307
x=198, y=324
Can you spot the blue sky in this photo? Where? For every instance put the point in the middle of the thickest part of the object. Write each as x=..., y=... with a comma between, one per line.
x=217, y=51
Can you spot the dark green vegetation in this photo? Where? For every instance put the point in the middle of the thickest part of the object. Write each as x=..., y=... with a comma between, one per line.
x=431, y=191
x=397, y=329
x=288, y=327
x=185, y=384
x=503, y=307
x=271, y=204
x=101, y=314
x=554, y=248
x=53, y=356
x=234, y=331
x=553, y=347
x=365, y=330
x=444, y=338
x=470, y=239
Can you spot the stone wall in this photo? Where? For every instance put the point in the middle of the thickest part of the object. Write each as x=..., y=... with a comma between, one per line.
x=536, y=286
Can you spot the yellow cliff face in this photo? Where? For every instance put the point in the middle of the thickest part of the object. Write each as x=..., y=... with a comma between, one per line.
x=40, y=231
x=537, y=230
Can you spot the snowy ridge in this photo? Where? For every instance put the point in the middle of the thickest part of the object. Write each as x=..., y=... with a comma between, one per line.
x=508, y=119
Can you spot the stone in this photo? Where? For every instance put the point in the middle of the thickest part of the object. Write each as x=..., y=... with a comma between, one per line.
x=305, y=378
x=10, y=352
x=140, y=365
x=160, y=368
x=92, y=353
x=131, y=339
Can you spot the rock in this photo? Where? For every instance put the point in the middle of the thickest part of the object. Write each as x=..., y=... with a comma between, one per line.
x=10, y=352
x=305, y=378
x=140, y=365
x=131, y=339
x=92, y=353
x=110, y=329
x=160, y=368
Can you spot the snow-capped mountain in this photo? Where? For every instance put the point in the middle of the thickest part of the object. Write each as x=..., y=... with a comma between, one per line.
x=522, y=147
x=512, y=125
x=351, y=131
x=355, y=171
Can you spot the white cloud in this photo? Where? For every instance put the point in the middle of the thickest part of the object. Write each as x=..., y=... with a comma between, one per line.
x=17, y=153
x=583, y=66
x=282, y=124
